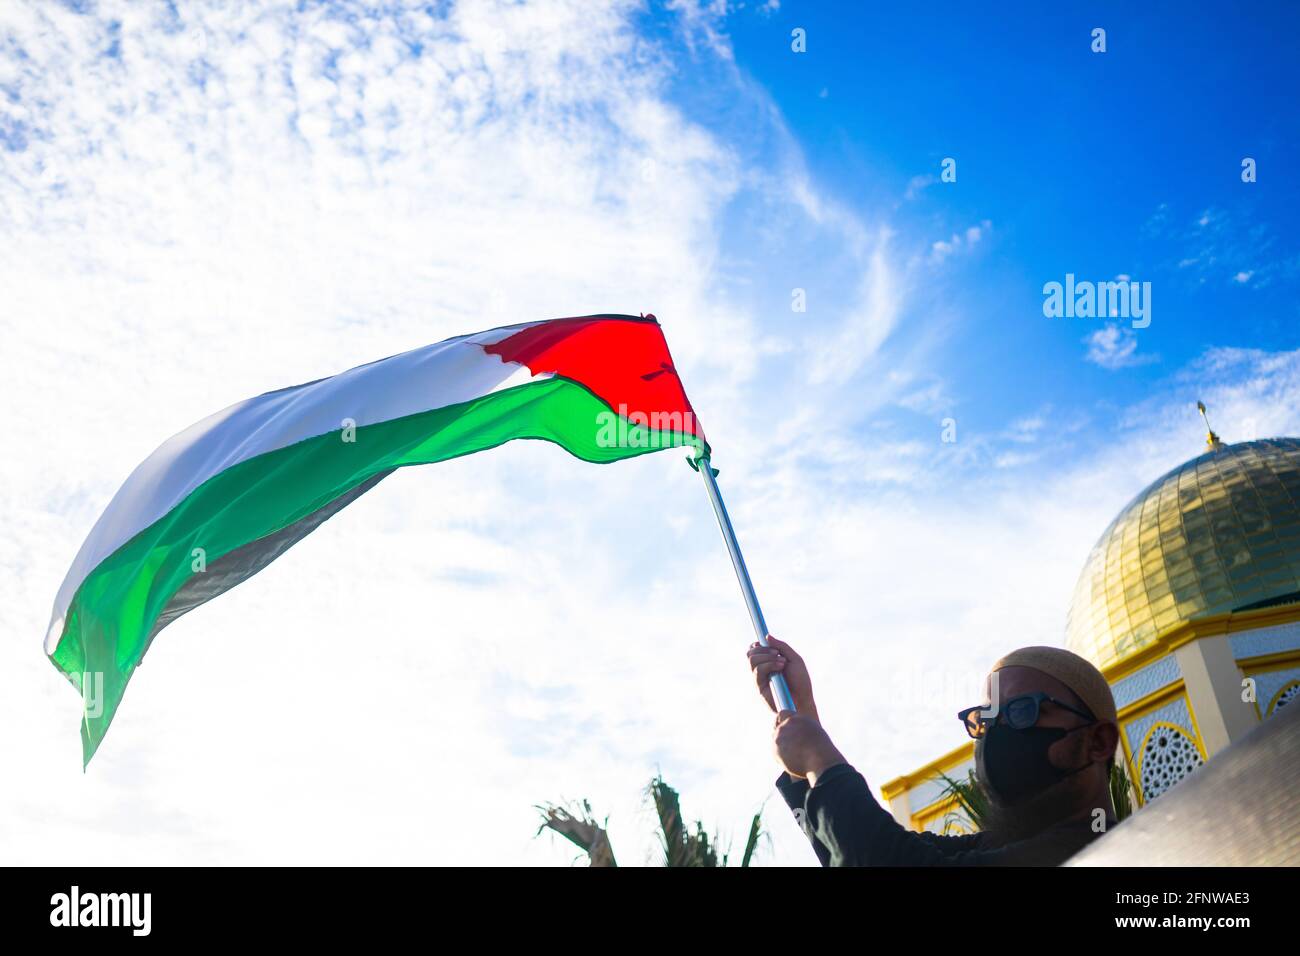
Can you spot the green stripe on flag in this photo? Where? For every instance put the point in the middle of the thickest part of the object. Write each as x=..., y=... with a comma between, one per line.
x=112, y=616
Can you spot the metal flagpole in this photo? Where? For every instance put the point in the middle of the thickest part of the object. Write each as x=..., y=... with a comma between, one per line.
x=780, y=689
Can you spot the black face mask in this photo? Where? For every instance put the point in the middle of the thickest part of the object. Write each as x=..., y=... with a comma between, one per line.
x=1013, y=764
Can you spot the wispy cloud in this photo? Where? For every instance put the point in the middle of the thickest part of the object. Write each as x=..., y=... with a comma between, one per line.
x=1114, y=347
x=871, y=319
x=242, y=198
x=1218, y=247
x=1026, y=431
x=918, y=184
x=964, y=241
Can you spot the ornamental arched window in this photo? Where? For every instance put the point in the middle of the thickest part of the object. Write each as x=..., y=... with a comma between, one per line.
x=1287, y=695
x=1167, y=756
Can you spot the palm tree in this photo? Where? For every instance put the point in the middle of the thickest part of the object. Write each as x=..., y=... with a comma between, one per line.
x=968, y=798
x=581, y=829
x=681, y=845
x=1121, y=791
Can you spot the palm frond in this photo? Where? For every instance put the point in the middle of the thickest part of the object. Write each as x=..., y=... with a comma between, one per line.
x=755, y=831
x=681, y=846
x=968, y=798
x=580, y=828
x=1121, y=793
x=672, y=834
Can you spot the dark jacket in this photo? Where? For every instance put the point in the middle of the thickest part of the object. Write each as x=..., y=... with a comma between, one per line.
x=847, y=827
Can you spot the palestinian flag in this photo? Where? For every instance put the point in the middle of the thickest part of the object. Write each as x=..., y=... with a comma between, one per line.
x=221, y=500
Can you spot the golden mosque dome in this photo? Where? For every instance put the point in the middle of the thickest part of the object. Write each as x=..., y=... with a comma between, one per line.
x=1219, y=533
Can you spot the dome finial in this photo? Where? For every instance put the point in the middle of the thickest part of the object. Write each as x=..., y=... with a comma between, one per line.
x=1211, y=439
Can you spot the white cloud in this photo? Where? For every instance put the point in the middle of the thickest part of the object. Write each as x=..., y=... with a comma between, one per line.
x=250, y=198
x=967, y=240
x=918, y=184
x=1027, y=430
x=870, y=322
x=1113, y=347
x=1014, y=459
x=705, y=19
x=256, y=198
x=931, y=398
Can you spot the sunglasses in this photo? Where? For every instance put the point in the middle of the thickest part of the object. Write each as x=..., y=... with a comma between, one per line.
x=1020, y=713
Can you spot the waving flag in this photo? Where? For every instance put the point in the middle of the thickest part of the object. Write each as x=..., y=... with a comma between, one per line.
x=221, y=500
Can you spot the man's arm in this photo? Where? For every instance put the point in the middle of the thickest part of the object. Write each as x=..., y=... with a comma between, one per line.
x=845, y=818
x=800, y=738
x=795, y=793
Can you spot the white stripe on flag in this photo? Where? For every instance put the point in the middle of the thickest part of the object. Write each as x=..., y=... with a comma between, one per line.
x=434, y=376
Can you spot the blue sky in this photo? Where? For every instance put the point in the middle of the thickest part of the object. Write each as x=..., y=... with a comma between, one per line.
x=1100, y=164
x=199, y=203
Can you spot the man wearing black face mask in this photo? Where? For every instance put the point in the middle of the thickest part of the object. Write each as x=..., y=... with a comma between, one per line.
x=1043, y=755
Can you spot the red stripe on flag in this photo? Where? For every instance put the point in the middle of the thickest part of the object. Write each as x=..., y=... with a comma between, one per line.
x=622, y=360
